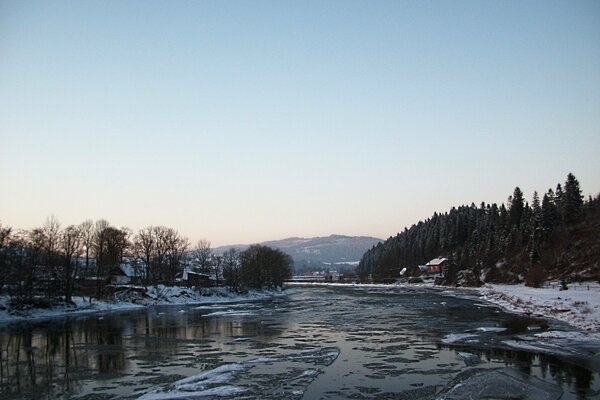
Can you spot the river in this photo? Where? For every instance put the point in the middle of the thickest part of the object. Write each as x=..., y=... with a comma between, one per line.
x=316, y=343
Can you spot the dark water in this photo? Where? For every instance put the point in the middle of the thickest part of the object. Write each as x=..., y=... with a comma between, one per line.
x=320, y=342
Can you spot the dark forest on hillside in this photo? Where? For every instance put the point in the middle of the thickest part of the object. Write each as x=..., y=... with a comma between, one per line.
x=557, y=236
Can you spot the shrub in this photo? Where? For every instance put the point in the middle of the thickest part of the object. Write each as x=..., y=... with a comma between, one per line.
x=520, y=323
x=535, y=277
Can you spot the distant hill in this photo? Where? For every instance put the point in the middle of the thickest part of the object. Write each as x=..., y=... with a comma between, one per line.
x=315, y=253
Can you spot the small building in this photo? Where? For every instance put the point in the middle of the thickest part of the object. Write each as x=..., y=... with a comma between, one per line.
x=191, y=278
x=118, y=276
x=436, y=265
x=125, y=274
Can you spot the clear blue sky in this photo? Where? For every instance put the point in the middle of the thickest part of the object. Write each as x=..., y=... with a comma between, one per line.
x=243, y=121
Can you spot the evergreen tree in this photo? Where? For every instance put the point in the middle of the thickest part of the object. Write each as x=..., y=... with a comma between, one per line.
x=558, y=200
x=549, y=212
x=536, y=229
x=517, y=205
x=572, y=201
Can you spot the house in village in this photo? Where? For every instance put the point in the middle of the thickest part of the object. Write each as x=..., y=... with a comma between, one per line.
x=126, y=274
x=191, y=278
x=436, y=266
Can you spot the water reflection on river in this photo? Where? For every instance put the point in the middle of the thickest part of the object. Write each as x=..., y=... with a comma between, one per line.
x=317, y=343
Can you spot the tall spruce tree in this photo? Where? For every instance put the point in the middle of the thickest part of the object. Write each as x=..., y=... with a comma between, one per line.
x=550, y=216
x=572, y=201
x=517, y=206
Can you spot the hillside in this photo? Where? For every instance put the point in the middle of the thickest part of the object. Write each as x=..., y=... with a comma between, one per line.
x=317, y=252
x=557, y=237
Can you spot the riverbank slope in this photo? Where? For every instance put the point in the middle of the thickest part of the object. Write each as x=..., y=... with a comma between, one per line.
x=579, y=306
x=155, y=295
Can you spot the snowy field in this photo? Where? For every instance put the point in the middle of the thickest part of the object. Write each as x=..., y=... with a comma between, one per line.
x=156, y=295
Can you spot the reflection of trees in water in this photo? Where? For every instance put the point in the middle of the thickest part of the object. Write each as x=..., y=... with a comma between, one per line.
x=49, y=360
x=35, y=364
x=54, y=359
x=108, y=335
x=551, y=368
x=167, y=333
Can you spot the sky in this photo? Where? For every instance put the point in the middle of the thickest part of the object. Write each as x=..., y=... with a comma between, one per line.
x=246, y=121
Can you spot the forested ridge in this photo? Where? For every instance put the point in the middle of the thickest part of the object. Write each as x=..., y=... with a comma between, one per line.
x=557, y=236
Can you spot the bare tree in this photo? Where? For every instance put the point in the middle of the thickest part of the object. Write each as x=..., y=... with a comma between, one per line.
x=70, y=243
x=176, y=247
x=34, y=243
x=217, y=267
x=109, y=244
x=87, y=239
x=5, y=239
x=144, y=246
x=203, y=256
x=231, y=269
x=161, y=235
x=264, y=267
x=52, y=267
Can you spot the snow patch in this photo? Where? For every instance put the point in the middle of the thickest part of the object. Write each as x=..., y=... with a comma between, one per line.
x=155, y=295
x=229, y=313
x=457, y=337
x=579, y=306
x=491, y=329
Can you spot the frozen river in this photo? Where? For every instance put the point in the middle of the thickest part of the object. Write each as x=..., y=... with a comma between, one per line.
x=317, y=343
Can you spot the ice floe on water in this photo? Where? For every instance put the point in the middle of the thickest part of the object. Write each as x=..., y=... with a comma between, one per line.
x=501, y=384
x=201, y=385
x=251, y=377
x=571, y=335
x=533, y=347
x=469, y=358
x=229, y=313
x=457, y=337
x=222, y=391
x=491, y=329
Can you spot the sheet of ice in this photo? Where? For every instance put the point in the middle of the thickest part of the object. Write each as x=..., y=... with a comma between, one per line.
x=570, y=335
x=229, y=313
x=503, y=384
x=221, y=374
x=491, y=329
x=222, y=391
x=223, y=380
x=469, y=358
x=208, y=383
x=515, y=344
x=457, y=337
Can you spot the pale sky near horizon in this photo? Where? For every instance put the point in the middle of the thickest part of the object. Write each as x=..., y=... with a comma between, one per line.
x=245, y=121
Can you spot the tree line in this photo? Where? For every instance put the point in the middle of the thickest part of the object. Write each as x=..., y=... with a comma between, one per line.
x=487, y=237
x=50, y=262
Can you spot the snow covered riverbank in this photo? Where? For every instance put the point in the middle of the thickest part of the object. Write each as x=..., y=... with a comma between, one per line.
x=579, y=306
x=161, y=295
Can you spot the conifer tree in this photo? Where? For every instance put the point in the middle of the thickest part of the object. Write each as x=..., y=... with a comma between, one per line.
x=549, y=211
x=517, y=206
x=536, y=229
x=572, y=201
